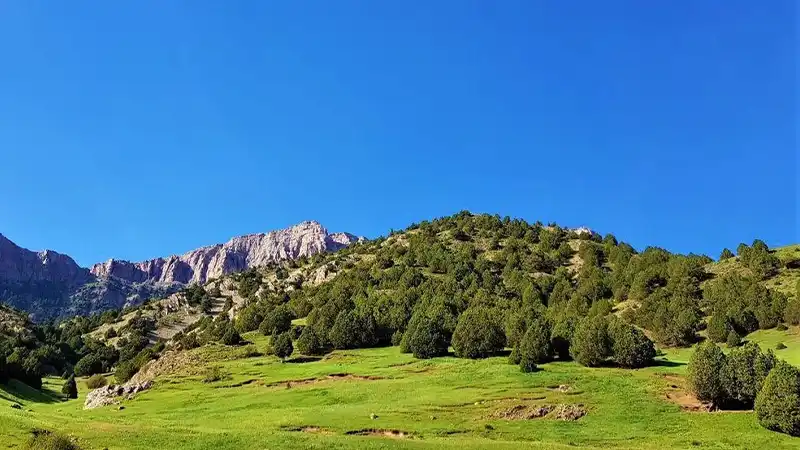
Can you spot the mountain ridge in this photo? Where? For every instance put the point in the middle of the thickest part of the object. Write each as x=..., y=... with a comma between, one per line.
x=49, y=284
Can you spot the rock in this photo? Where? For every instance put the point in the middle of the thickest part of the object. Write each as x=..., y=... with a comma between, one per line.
x=569, y=412
x=373, y=416
x=108, y=395
x=120, y=407
x=71, y=289
x=16, y=406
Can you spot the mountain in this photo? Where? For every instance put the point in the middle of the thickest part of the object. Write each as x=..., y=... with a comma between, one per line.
x=49, y=284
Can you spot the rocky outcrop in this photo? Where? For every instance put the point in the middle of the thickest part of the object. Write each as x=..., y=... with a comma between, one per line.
x=240, y=253
x=49, y=284
x=110, y=395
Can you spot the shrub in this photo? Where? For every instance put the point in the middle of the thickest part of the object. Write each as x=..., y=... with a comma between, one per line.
x=231, y=337
x=282, y=345
x=591, y=344
x=781, y=327
x=780, y=346
x=88, y=365
x=746, y=368
x=777, y=405
x=734, y=340
x=213, y=374
x=726, y=254
x=477, y=335
x=345, y=331
x=310, y=342
x=279, y=320
x=428, y=339
x=125, y=371
x=704, y=373
x=70, y=388
x=111, y=333
x=630, y=347
x=48, y=440
x=535, y=346
x=718, y=328
x=561, y=336
x=96, y=381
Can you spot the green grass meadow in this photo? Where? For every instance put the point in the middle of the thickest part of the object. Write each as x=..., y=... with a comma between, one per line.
x=447, y=403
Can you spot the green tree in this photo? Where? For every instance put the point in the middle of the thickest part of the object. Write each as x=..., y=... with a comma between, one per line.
x=726, y=254
x=746, y=368
x=561, y=336
x=477, y=335
x=718, y=328
x=70, y=388
x=733, y=340
x=279, y=320
x=428, y=339
x=535, y=346
x=310, y=342
x=345, y=332
x=777, y=405
x=231, y=337
x=706, y=366
x=630, y=347
x=282, y=345
x=591, y=344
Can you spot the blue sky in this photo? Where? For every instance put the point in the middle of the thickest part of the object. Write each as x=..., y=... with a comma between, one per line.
x=149, y=128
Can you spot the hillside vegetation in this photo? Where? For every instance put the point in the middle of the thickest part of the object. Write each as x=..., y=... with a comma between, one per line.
x=458, y=297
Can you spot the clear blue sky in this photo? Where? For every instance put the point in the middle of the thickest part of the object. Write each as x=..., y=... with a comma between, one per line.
x=149, y=128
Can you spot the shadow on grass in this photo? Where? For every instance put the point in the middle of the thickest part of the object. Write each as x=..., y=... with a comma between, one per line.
x=303, y=359
x=667, y=363
x=14, y=390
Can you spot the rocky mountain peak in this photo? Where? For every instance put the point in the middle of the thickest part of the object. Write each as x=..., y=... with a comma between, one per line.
x=239, y=253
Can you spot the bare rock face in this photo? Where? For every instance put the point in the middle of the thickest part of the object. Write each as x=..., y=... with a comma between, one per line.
x=109, y=395
x=50, y=285
x=240, y=253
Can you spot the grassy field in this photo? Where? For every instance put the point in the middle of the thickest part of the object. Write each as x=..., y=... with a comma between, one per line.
x=441, y=403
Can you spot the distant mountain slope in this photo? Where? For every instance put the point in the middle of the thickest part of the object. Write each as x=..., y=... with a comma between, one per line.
x=49, y=284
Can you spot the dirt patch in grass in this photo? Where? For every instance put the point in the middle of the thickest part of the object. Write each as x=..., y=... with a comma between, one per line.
x=288, y=384
x=307, y=429
x=560, y=387
x=561, y=411
x=395, y=434
x=677, y=393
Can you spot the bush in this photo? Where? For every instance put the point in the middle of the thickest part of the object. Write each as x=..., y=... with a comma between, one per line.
x=310, y=342
x=70, y=388
x=591, y=344
x=96, y=381
x=213, y=374
x=726, y=254
x=88, y=365
x=706, y=366
x=535, y=346
x=780, y=346
x=111, y=333
x=477, y=335
x=428, y=339
x=781, y=327
x=282, y=346
x=231, y=337
x=718, y=328
x=746, y=368
x=277, y=321
x=125, y=371
x=734, y=340
x=777, y=405
x=47, y=440
x=630, y=347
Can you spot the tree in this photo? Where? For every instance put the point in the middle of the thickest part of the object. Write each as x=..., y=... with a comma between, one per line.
x=231, y=337
x=88, y=365
x=535, y=346
x=591, y=344
x=791, y=313
x=111, y=333
x=746, y=368
x=279, y=320
x=704, y=374
x=777, y=405
x=477, y=335
x=733, y=340
x=561, y=336
x=70, y=388
x=726, y=254
x=282, y=345
x=630, y=347
x=310, y=342
x=428, y=339
x=345, y=331
x=718, y=328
